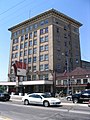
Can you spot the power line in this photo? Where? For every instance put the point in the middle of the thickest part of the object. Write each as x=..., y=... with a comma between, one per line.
x=19, y=10
x=12, y=7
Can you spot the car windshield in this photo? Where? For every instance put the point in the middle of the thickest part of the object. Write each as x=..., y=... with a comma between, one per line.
x=46, y=95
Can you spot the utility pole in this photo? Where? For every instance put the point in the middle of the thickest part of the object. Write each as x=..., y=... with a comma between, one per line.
x=54, y=82
x=68, y=80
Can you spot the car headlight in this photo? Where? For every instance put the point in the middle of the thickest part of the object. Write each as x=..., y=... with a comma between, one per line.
x=2, y=95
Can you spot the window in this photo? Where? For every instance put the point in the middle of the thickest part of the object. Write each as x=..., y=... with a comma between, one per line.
x=21, y=46
x=30, y=35
x=29, y=60
x=46, y=76
x=34, y=50
x=76, y=30
x=41, y=57
x=31, y=27
x=66, y=53
x=85, y=81
x=16, y=55
x=27, y=29
x=21, y=53
x=22, y=31
x=41, y=67
x=34, y=59
x=42, y=39
x=26, y=36
x=25, y=53
x=46, y=21
x=35, y=33
x=65, y=35
x=65, y=43
x=77, y=61
x=46, y=30
x=30, y=43
x=78, y=81
x=18, y=32
x=41, y=48
x=25, y=44
x=58, y=57
x=25, y=78
x=13, y=48
x=25, y=60
x=43, y=77
x=22, y=38
x=46, y=56
x=29, y=68
x=13, y=55
x=30, y=51
x=35, y=42
x=65, y=82
x=35, y=25
x=41, y=31
x=34, y=68
x=58, y=66
x=20, y=60
x=14, y=34
x=57, y=30
x=46, y=38
x=42, y=23
x=15, y=41
x=16, y=47
x=65, y=27
x=34, y=77
x=46, y=67
x=46, y=47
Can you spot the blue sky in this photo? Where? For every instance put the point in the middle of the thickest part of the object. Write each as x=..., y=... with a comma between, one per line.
x=13, y=12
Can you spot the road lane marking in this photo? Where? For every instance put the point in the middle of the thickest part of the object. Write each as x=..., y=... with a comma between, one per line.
x=5, y=118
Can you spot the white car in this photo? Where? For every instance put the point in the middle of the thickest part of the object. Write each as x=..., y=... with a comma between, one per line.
x=40, y=99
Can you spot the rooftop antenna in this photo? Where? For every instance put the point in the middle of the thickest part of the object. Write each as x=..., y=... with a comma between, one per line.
x=29, y=13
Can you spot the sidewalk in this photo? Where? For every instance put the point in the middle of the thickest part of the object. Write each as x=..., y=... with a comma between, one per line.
x=16, y=98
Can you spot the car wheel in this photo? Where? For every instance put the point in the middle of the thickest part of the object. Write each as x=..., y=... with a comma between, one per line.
x=26, y=102
x=69, y=99
x=46, y=103
x=75, y=100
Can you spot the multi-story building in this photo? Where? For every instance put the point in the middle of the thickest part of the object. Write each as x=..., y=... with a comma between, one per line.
x=85, y=64
x=48, y=43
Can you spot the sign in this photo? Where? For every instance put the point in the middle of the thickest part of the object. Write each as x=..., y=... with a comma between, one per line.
x=20, y=68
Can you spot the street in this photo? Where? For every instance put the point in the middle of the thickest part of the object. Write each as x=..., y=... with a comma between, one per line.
x=15, y=110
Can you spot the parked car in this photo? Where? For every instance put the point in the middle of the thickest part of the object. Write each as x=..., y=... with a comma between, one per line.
x=40, y=99
x=81, y=97
x=89, y=103
x=69, y=97
x=4, y=96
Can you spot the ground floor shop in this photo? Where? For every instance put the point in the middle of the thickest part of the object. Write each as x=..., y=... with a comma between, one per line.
x=28, y=87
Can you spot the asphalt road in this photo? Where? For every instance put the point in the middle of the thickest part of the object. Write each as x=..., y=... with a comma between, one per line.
x=15, y=110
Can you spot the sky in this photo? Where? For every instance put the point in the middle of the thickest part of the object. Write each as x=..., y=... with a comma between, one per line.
x=13, y=12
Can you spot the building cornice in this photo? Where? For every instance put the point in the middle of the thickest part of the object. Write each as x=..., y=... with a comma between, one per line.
x=46, y=14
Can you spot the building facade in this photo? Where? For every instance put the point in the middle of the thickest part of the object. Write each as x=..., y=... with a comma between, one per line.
x=74, y=81
x=85, y=64
x=47, y=43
